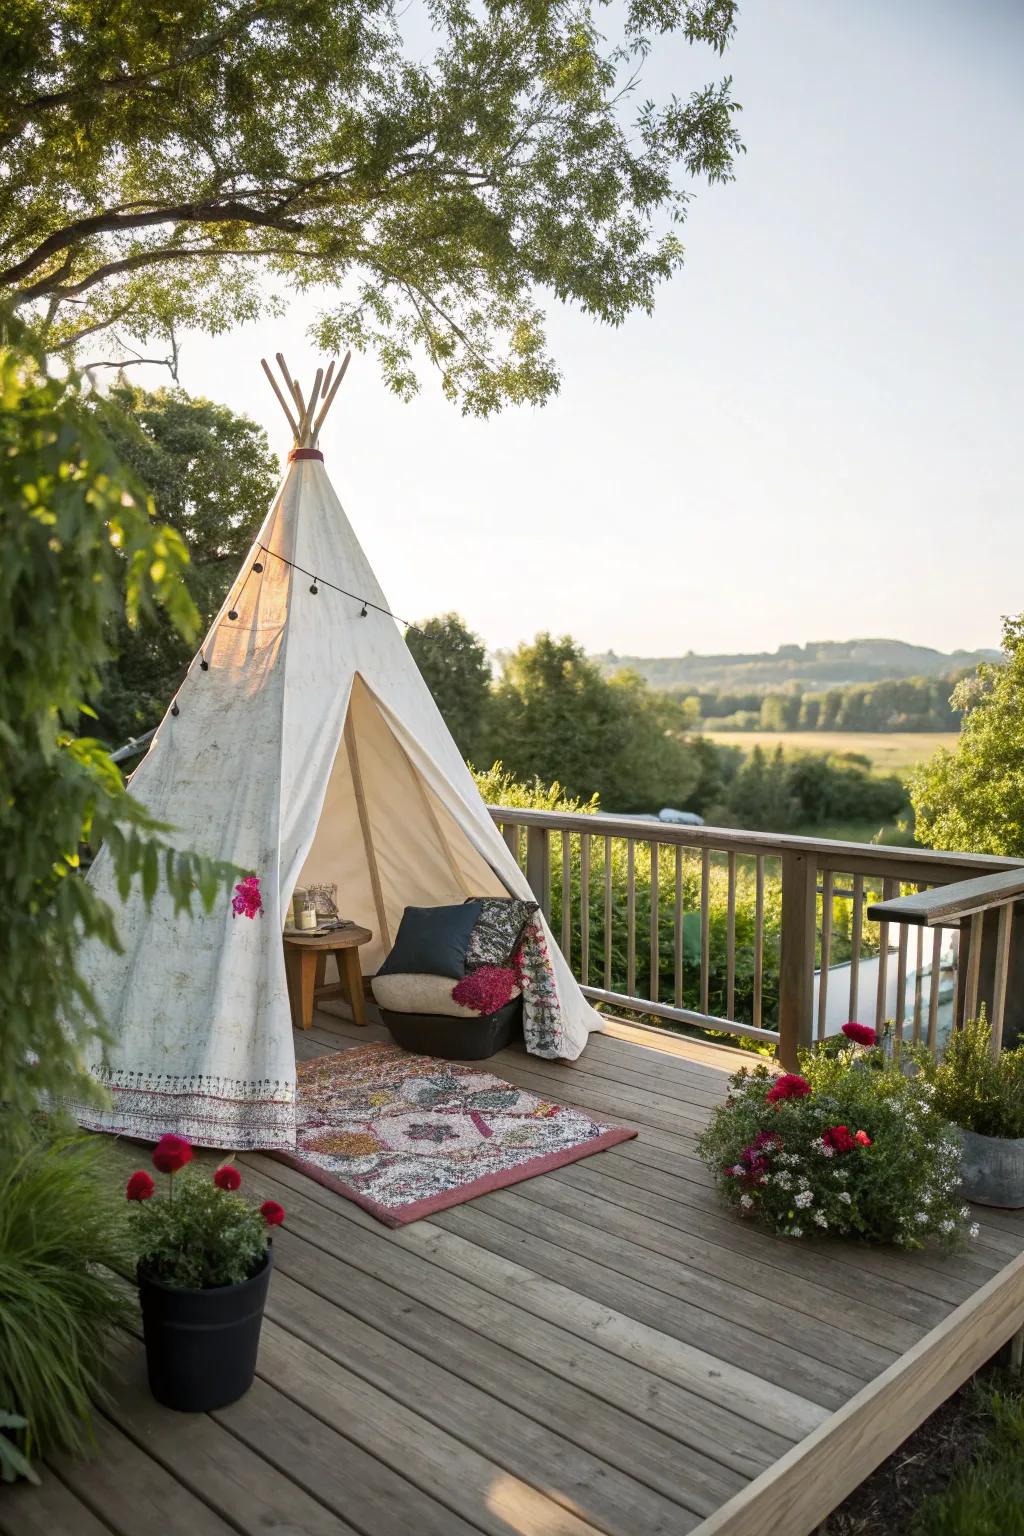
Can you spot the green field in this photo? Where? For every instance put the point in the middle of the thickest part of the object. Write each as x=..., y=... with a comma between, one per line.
x=892, y=752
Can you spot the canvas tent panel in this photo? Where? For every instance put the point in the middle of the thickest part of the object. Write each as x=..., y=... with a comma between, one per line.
x=255, y=769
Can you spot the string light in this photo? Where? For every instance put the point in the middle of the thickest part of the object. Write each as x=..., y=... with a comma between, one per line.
x=174, y=708
x=316, y=583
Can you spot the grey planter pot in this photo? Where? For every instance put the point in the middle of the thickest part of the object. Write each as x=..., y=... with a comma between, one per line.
x=993, y=1170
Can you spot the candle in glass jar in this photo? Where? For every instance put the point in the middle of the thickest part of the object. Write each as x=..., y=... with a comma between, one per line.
x=307, y=917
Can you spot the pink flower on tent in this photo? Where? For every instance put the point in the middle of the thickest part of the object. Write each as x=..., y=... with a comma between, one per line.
x=247, y=901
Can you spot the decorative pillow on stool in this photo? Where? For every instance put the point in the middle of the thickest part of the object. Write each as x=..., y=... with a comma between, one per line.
x=432, y=941
x=497, y=929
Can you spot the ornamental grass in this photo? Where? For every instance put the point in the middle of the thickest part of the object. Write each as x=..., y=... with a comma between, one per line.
x=852, y=1146
x=62, y=1238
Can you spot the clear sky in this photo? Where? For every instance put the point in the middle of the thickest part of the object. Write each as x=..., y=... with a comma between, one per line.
x=818, y=433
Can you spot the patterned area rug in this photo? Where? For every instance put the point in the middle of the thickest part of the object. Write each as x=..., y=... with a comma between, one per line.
x=406, y=1135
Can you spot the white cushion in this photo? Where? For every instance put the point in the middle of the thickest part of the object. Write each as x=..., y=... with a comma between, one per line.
x=411, y=993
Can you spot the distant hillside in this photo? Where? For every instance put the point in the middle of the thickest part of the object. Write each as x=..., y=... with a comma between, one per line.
x=821, y=664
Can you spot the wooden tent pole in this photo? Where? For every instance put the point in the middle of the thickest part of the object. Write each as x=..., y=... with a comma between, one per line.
x=327, y=402
x=308, y=417
x=284, y=404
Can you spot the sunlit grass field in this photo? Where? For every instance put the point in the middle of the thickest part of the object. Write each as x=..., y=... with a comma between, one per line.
x=889, y=752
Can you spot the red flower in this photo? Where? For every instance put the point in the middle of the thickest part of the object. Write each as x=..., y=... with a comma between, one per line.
x=789, y=1086
x=140, y=1186
x=862, y=1139
x=272, y=1213
x=247, y=900
x=171, y=1153
x=227, y=1177
x=838, y=1138
x=863, y=1034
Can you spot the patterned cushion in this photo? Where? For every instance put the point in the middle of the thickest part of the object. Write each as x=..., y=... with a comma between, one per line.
x=497, y=930
x=419, y=994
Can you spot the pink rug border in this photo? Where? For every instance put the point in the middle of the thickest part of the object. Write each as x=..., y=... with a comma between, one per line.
x=417, y=1209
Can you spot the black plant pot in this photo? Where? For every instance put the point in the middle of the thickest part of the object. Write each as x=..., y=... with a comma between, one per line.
x=201, y=1345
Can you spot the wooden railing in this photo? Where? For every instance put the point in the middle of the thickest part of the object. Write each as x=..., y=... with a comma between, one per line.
x=762, y=936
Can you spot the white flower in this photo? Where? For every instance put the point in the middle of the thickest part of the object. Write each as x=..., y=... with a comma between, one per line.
x=965, y=1211
x=737, y=1169
x=796, y=1231
x=826, y=1150
x=821, y=1218
x=947, y=1226
x=921, y=1218
x=746, y=1201
x=804, y=1199
x=784, y=1180
x=973, y=1229
x=846, y=1197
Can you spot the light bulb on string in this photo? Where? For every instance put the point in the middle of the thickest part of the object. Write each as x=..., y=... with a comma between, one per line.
x=363, y=611
x=314, y=589
x=174, y=708
x=258, y=567
x=204, y=665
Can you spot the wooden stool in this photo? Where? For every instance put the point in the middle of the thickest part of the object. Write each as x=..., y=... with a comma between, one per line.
x=305, y=961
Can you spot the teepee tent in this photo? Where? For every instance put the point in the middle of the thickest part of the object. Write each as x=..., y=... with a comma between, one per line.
x=303, y=745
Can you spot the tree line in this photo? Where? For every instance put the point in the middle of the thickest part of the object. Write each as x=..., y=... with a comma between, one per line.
x=897, y=704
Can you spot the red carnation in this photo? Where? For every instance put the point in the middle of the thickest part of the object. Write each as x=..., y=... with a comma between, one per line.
x=227, y=1177
x=838, y=1138
x=863, y=1034
x=140, y=1186
x=862, y=1139
x=272, y=1213
x=171, y=1153
x=789, y=1086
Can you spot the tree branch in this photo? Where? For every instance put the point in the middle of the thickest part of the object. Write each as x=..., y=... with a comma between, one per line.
x=229, y=211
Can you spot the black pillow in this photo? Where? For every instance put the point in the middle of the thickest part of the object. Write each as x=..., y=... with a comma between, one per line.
x=497, y=930
x=432, y=941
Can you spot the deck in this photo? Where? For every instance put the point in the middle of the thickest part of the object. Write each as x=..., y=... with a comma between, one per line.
x=600, y=1349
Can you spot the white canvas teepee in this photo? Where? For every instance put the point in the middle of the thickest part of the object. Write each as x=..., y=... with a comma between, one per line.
x=305, y=746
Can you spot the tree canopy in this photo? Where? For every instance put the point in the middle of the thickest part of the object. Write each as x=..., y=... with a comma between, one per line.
x=187, y=165
x=212, y=475
x=973, y=798
x=455, y=667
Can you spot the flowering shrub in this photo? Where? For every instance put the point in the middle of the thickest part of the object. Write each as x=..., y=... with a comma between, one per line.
x=203, y=1234
x=851, y=1146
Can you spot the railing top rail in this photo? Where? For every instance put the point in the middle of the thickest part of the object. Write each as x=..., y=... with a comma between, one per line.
x=949, y=904
x=907, y=864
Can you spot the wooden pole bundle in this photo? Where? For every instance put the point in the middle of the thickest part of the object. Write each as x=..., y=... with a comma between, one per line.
x=299, y=413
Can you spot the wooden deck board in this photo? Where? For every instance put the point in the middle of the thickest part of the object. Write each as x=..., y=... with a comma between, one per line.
x=602, y=1349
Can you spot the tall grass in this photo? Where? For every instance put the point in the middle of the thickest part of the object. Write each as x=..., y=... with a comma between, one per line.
x=62, y=1232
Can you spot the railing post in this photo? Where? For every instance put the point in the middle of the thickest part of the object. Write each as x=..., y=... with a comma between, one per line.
x=538, y=866
x=796, y=956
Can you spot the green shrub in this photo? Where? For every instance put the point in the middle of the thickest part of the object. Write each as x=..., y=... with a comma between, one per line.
x=853, y=1147
x=985, y=1498
x=979, y=1091
x=61, y=1233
